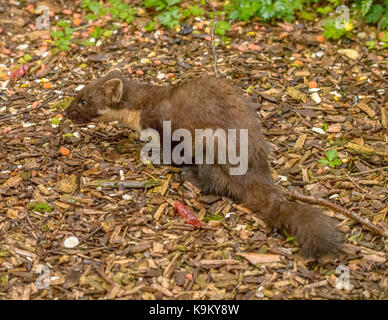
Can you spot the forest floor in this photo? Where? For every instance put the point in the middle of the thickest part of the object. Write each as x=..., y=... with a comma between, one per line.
x=312, y=95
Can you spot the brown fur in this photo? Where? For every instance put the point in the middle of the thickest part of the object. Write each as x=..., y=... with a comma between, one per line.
x=212, y=103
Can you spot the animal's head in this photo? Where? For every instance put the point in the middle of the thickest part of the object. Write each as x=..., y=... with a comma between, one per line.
x=97, y=99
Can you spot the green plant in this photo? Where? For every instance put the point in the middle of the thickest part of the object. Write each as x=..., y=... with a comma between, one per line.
x=331, y=31
x=195, y=11
x=3, y=281
x=62, y=36
x=374, y=11
x=55, y=121
x=170, y=17
x=150, y=26
x=221, y=28
x=371, y=44
x=118, y=9
x=40, y=207
x=265, y=9
x=371, y=11
x=331, y=159
x=160, y=4
x=170, y=13
x=215, y=217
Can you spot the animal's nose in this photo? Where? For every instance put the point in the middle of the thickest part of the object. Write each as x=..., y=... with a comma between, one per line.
x=67, y=113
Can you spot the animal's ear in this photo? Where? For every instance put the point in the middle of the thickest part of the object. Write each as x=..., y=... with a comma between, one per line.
x=113, y=89
x=115, y=71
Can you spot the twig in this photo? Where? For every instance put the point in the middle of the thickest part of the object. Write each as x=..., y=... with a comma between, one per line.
x=43, y=104
x=91, y=234
x=112, y=184
x=215, y=59
x=356, y=184
x=347, y=69
x=368, y=171
x=335, y=207
x=351, y=174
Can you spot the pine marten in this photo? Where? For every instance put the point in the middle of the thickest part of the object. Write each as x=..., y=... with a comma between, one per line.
x=203, y=103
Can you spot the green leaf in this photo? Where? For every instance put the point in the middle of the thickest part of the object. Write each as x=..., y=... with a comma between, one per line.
x=68, y=135
x=221, y=28
x=85, y=3
x=63, y=44
x=107, y=33
x=172, y=2
x=104, y=11
x=170, y=17
x=384, y=23
x=186, y=13
x=151, y=3
x=215, y=217
x=323, y=161
x=365, y=6
x=88, y=43
x=68, y=30
x=336, y=162
x=267, y=11
x=307, y=16
x=55, y=121
x=374, y=14
x=123, y=15
x=57, y=34
x=196, y=11
x=332, y=154
x=63, y=24
x=27, y=57
x=150, y=26
x=90, y=17
x=370, y=44
x=160, y=5
x=95, y=7
x=331, y=31
x=97, y=32
x=324, y=10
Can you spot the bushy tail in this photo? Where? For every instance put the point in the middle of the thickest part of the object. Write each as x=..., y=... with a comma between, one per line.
x=316, y=233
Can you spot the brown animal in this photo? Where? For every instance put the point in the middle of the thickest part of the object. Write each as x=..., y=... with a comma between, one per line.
x=210, y=103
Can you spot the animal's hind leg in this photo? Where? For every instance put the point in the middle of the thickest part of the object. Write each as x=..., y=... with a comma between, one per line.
x=190, y=173
x=208, y=178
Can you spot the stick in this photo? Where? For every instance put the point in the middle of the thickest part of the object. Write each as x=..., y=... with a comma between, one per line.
x=328, y=176
x=368, y=171
x=43, y=104
x=347, y=69
x=335, y=207
x=112, y=184
x=215, y=59
x=356, y=184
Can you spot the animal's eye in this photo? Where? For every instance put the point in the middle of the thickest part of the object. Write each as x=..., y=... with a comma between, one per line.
x=82, y=103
